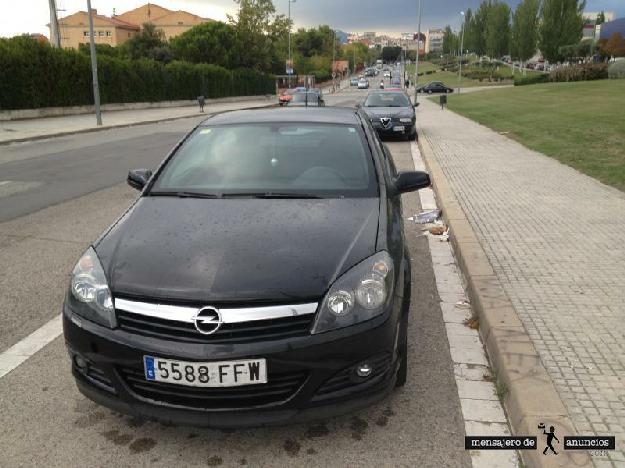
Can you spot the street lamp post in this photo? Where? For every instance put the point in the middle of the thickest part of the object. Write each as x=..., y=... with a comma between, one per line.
x=334, y=62
x=94, y=66
x=461, y=51
x=416, y=72
x=290, y=59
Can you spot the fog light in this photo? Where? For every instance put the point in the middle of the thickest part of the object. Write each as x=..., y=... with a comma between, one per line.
x=364, y=370
x=80, y=362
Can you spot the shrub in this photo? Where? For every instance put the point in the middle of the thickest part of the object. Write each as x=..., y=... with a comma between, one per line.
x=529, y=80
x=584, y=72
x=34, y=75
x=617, y=69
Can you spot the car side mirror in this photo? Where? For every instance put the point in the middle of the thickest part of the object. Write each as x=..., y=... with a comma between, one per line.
x=411, y=181
x=137, y=178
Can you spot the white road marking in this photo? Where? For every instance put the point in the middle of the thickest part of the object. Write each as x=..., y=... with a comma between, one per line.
x=22, y=350
x=481, y=409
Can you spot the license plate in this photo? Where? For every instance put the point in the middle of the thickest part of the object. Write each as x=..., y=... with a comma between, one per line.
x=399, y=128
x=206, y=374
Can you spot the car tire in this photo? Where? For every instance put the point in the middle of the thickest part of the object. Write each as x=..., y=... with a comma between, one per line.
x=429, y=91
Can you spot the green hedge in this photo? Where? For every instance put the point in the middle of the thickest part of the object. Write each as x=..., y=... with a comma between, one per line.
x=529, y=80
x=34, y=75
x=617, y=69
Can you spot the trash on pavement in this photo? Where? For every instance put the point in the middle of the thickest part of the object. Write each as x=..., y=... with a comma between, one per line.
x=464, y=304
x=426, y=217
x=438, y=230
x=445, y=236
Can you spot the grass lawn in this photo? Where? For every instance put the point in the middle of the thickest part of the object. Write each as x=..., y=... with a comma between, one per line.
x=451, y=79
x=581, y=124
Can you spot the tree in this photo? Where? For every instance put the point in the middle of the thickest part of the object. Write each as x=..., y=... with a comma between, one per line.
x=212, y=42
x=450, y=41
x=600, y=19
x=561, y=24
x=615, y=46
x=478, y=28
x=525, y=30
x=257, y=28
x=497, y=38
x=391, y=54
x=149, y=43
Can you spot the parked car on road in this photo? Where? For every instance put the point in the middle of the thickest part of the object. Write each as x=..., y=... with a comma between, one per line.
x=435, y=87
x=353, y=81
x=363, y=84
x=391, y=113
x=287, y=95
x=260, y=277
x=306, y=99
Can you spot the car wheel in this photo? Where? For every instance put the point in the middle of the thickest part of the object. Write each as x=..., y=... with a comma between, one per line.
x=429, y=91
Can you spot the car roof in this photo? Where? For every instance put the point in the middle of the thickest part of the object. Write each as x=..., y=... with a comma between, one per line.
x=331, y=115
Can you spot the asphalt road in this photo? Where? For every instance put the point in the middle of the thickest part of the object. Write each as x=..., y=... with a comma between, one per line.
x=72, y=189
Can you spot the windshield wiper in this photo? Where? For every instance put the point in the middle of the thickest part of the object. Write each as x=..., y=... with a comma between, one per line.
x=270, y=195
x=184, y=194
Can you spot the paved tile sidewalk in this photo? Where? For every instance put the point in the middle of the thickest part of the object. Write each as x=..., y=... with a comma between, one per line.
x=556, y=240
x=49, y=126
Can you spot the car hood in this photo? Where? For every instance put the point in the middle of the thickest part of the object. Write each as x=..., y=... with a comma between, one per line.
x=236, y=250
x=394, y=112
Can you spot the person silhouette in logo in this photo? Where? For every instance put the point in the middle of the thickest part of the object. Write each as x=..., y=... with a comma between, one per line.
x=550, y=436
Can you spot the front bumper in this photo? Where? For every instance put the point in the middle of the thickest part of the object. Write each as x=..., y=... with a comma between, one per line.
x=409, y=129
x=317, y=369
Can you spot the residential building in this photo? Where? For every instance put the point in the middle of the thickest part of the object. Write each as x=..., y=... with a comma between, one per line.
x=74, y=29
x=172, y=23
x=117, y=29
x=591, y=16
x=369, y=35
x=434, y=40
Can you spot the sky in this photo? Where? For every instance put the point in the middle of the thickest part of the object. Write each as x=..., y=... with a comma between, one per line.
x=383, y=16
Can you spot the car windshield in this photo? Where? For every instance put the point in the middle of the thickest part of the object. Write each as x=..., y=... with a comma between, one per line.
x=298, y=160
x=387, y=100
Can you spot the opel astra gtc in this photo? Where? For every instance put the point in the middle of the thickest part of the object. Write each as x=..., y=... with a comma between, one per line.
x=260, y=277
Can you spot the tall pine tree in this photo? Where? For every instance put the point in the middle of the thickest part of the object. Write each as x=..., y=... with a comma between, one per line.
x=561, y=24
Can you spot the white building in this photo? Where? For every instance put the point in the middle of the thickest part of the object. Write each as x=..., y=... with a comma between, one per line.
x=434, y=40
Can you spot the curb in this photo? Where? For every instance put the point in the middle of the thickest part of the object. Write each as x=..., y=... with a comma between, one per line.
x=111, y=127
x=531, y=396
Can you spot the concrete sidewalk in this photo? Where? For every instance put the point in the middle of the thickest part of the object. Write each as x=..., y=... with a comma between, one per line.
x=555, y=240
x=31, y=129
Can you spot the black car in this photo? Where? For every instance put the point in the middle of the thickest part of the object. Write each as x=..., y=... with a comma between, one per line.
x=435, y=87
x=312, y=98
x=391, y=113
x=260, y=277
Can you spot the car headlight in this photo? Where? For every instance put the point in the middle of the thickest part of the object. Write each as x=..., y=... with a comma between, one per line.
x=358, y=295
x=89, y=287
x=406, y=120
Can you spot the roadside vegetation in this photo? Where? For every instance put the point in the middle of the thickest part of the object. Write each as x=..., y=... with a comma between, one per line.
x=581, y=124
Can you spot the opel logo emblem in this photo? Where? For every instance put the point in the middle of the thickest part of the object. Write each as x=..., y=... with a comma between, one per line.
x=207, y=320
x=385, y=121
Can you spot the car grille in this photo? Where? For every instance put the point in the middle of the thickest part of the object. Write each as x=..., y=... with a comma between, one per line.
x=96, y=377
x=279, y=387
x=243, y=332
x=345, y=382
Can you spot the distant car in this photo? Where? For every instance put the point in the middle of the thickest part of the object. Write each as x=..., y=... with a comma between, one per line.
x=435, y=87
x=353, y=82
x=387, y=74
x=391, y=113
x=286, y=96
x=306, y=99
x=363, y=84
